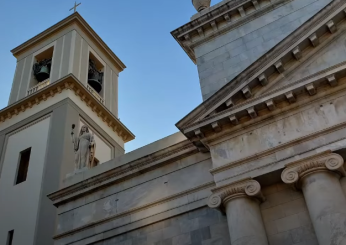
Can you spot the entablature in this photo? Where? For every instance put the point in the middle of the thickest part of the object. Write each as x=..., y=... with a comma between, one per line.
x=68, y=82
x=220, y=20
x=235, y=103
x=95, y=180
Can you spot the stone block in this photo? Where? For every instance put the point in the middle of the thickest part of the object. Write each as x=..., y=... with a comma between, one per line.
x=288, y=223
x=277, y=198
x=270, y=227
x=155, y=236
x=294, y=207
x=197, y=236
x=283, y=238
x=183, y=239
x=255, y=42
x=273, y=213
x=171, y=231
x=188, y=225
x=219, y=230
x=304, y=219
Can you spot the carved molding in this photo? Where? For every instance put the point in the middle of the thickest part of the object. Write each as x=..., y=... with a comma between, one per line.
x=261, y=65
x=219, y=21
x=299, y=86
x=29, y=125
x=77, y=19
x=298, y=170
x=126, y=171
x=223, y=194
x=207, y=185
x=68, y=82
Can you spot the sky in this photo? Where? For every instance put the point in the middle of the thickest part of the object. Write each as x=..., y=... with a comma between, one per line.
x=160, y=84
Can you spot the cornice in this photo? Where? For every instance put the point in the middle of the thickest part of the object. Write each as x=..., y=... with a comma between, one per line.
x=29, y=125
x=71, y=83
x=272, y=62
x=220, y=20
x=335, y=72
x=225, y=193
x=126, y=171
x=77, y=19
x=271, y=151
x=137, y=209
x=324, y=162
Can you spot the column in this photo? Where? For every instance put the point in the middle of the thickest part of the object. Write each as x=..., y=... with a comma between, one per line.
x=240, y=201
x=318, y=178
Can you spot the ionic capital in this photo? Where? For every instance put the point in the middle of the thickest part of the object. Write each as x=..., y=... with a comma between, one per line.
x=223, y=194
x=326, y=162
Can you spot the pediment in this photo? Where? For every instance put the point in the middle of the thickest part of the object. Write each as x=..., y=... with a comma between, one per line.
x=330, y=52
x=287, y=60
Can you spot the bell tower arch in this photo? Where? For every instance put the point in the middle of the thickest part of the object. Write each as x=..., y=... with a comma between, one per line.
x=65, y=76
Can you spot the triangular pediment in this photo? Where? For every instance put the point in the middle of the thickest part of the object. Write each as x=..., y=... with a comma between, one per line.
x=331, y=51
x=285, y=64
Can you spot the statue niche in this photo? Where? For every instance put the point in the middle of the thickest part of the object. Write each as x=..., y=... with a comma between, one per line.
x=84, y=148
x=42, y=69
x=95, y=77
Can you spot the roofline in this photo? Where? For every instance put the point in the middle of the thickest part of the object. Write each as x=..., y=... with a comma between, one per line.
x=77, y=18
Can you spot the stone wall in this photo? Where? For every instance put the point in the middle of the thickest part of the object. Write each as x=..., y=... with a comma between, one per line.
x=286, y=217
x=203, y=226
x=224, y=57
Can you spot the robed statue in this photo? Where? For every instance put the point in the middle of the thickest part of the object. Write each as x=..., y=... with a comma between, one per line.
x=84, y=148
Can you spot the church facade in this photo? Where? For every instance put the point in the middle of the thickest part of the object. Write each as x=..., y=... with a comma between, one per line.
x=259, y=161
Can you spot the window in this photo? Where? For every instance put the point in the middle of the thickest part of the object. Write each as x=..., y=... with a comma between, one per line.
x=9, y=237
x=24, y=158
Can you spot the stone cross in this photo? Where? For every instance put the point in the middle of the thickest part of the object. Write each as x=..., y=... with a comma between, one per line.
x=75, y=7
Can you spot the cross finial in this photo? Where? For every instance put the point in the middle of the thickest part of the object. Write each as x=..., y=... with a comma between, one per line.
x=75, y=7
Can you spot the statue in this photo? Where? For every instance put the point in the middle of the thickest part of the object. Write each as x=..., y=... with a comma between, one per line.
x=84, y=148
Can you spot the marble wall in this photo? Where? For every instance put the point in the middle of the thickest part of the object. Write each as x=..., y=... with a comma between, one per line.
x=224, y=57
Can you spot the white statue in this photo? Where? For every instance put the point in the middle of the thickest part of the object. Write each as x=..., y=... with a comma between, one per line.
x=84, y=148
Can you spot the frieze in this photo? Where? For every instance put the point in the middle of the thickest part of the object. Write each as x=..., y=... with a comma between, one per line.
x=138, y=209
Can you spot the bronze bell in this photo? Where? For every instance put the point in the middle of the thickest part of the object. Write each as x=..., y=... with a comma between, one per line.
x=43, y=74
x=42, y=70
x=95, y=77
x=95, y=80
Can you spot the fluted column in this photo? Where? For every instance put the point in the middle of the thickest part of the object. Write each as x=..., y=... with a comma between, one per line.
x=240, y=201
x=318, y=178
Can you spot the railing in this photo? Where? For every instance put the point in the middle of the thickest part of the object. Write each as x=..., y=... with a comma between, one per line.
x=39, y=86
x=96, y=95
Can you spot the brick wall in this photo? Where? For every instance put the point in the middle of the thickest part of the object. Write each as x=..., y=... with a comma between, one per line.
x=286, y=217
x=224, y=57
x=203, y=226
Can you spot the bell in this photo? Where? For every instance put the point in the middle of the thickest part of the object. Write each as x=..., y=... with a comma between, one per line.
x=95, y=81
x=43, y=74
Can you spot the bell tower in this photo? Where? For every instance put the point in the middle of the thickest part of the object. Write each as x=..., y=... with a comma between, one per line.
x=64, y=76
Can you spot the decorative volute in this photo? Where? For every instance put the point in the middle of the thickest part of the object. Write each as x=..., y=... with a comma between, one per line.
x=325, y=162
x=223, y=194
x=201, y=4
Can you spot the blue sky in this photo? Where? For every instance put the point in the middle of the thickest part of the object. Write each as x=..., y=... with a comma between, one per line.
x=160, y=84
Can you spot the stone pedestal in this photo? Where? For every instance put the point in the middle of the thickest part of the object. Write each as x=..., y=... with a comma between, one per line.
x=319, y=180
x=240, y=201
